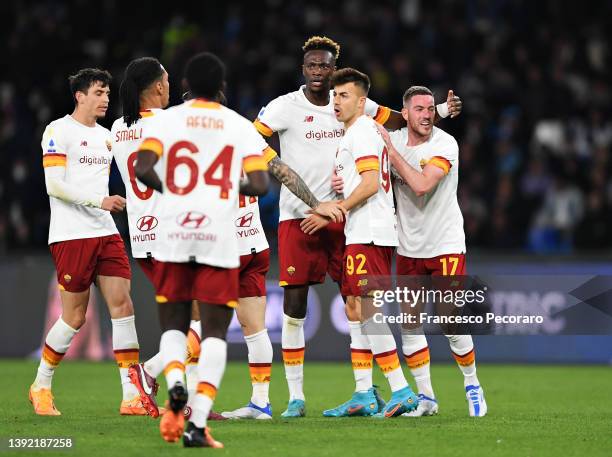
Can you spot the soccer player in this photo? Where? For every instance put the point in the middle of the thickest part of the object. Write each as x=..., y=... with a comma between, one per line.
x=83, y=239
x=309, y=135
x=371, y=237
x=431, y=238
x=144, y=92
x=204, y=147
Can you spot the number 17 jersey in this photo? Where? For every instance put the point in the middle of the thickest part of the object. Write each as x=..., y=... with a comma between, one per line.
x=203, y=147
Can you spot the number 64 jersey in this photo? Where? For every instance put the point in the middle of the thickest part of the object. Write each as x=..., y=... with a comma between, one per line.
x=203, y=148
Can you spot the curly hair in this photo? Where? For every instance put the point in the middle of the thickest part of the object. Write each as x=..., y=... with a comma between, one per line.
x=322, y=43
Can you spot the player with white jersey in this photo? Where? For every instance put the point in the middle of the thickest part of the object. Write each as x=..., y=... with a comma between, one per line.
x=83, y=239
x=204, y=148
x=431, y=237
x=309, y=135
x=144, y=92
x=362, y=163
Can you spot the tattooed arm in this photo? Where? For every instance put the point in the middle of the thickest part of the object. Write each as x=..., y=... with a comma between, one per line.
x=285, y=174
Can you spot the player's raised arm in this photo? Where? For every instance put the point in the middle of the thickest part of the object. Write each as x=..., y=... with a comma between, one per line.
x=54, y=163
x=393, y=120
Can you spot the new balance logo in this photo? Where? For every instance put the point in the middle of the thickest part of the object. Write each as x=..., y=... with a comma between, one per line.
x=146, y=223
x=83, y=143
x=309, y=119
x=192, y=220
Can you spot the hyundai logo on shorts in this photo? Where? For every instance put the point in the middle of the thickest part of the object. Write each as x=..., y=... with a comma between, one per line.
x=192, y=220
x=146, y=223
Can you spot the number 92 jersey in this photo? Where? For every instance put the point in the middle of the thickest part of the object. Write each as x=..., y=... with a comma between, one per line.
x=363, y=149
x=203, y=147
x=142, y=201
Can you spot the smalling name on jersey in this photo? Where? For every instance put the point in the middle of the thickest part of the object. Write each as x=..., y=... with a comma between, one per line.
x=128, y=135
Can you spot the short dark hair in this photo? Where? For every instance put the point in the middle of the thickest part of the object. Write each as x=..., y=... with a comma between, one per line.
x=87, y=77
x=139, y=75
x=350, y=75
x=416, y=90
x=322, y=43
x=205, y=75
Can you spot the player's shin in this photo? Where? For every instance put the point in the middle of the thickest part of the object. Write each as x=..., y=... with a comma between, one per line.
x=293, y=355
x=173, y=348
x=361, y=357
x=56, y=344
x=193, y=355
x=462, y=348
x=214, y=352
x=126, y=350
x=385, y=353
x=260, y=366
x=416, y=353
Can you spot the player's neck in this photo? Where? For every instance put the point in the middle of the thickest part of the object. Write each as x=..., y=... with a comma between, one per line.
x=320, y=98
x=352, y=120
x=414, y=139
x=84, y=118
x=147, y=103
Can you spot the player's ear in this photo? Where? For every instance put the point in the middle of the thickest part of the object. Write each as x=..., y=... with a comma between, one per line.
x=78, y=95
x=405, y=113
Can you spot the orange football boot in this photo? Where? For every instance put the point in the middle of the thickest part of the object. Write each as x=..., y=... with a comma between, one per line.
x=42, y=400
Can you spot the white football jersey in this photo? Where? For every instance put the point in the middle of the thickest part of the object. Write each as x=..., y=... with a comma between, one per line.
x=204, y=147
x=85, y=153
x=430, y=225
x=249, y=230
x=141, y=206
x=309, y=136
x=363, y=149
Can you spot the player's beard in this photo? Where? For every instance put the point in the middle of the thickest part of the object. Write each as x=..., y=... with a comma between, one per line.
x=420, y=130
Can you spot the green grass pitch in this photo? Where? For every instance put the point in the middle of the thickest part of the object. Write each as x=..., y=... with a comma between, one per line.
x=533, y=411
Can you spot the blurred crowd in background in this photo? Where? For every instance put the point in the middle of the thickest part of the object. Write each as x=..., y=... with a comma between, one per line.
x=535, y=80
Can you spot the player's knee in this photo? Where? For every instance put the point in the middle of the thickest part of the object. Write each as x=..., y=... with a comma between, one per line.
x=295, y=309
x=121, y=306
x=352, y=310
x=76, y=320
x=251, y=324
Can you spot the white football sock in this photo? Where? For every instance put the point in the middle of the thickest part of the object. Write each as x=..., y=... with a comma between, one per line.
x=416, y=353
x=260, y=366
x=56, y=345
x=173, y=348
x=462, y=347
x=361, y=357
x=126, y=350
x=214, y=352
x=293, y=355
x=385, y=352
